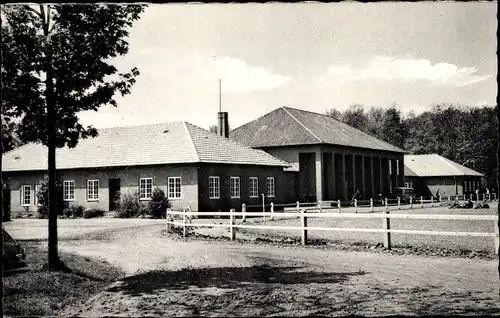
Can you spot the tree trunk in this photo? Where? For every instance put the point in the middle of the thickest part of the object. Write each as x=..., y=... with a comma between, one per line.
x=53, y=257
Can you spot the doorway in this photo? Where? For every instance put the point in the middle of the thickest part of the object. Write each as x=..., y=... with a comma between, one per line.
x=114, y=193
x=6, y=204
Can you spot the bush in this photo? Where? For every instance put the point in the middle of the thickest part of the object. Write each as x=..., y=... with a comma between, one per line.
x=43, y=199
x=158, y=205
x=128, y=205
x=92, y=213
x=77, y=211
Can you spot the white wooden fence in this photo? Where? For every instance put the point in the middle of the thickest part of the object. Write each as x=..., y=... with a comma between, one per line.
x=304, y=215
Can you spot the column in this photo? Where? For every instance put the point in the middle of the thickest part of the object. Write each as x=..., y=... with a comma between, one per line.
x=354, y=185
x=363, y=176
x=394, y=169
x=372, y=177
x=319, y=175
x=334, y=178
x=344, y=179
x=401, y=171
x=381, y=176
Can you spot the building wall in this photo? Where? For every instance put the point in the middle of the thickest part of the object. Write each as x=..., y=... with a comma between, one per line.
x=346, y=176
x=283, y=181
x=129, y=182
x=447, y=185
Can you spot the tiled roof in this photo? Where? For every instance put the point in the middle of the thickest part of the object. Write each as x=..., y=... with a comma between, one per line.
x=287, y=126
x=170, y=143
x=434, y=165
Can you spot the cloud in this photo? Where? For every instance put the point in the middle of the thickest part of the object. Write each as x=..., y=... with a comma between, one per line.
x=407, y=69
x=238, y=76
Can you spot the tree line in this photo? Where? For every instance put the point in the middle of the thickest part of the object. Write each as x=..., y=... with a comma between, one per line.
x=464, y=134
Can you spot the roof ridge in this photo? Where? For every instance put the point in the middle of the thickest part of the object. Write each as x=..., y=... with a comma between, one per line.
x=143, y=125
x=300, y=123
x=450, y=163
x=191, y=141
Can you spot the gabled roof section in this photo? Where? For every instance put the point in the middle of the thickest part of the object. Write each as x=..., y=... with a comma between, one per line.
x=434, y=165
x=287, y=126
x=170, y=143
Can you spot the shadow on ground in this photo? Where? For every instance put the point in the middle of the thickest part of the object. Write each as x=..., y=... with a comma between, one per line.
x=225, y=278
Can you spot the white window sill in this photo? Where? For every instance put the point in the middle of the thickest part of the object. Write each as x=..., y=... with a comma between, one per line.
x=26, y=205
x=69, y=200
x=215, y=198
x=174, y=198
x=93, y=200
x=145, y=199
x=251, y=197
x=235, y=197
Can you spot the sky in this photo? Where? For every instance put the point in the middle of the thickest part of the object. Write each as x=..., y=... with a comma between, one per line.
x=312, y=56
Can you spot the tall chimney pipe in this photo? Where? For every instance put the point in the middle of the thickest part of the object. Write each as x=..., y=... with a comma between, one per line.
x=223, y=124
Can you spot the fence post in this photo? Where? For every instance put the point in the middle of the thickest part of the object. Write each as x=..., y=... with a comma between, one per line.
x=422, y=202
x=356, y=205
x=387, y=235
x=303, y=219
x=184, y=228
x=338, y=205
x=411, y=203
x=169, y=219
x=272, y=211
x=232, y=230
x=449, y=198
x=298, y=206
x=399, y=203
x=386, y=206
x=263, y=205
x=319, y=206
x=432, y=200
x=470, y=197
x=371, y=204
x=497, y=236
x=243, y=210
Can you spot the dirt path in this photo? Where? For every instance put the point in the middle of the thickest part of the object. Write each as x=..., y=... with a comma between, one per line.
x=236, y=279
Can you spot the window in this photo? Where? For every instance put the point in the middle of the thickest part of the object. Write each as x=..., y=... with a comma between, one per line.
x=145, y=188
x=26, y=195
x=465, y=187
x=270, y=187
x=234, y=187
x=174, y=187
x=69, y=190
x=213, y=188
x=93, y=190
x=37, y=190
x=254, y=187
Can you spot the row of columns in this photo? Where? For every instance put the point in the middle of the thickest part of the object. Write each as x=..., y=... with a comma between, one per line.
x=378, y=180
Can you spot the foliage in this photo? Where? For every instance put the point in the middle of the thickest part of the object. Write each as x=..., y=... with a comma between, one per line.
x=128, y=205
x=157, y=207
x=467, y=135
x=43, y=199
x=92, y=213
x=77, y=211
x=213, y=128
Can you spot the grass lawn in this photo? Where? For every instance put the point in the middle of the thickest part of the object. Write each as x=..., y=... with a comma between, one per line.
x=35, y=291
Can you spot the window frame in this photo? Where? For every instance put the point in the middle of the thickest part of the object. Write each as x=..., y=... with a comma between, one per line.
x=145, y=198
x=250, y=187
x=273, y=187
x=23, y=195
x=216, y=193
x=174, y=179
x=68, y=183
x=231, y=187
x=95, y=191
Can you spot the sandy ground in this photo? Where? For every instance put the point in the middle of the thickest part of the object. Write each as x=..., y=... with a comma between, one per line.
x=169, y=276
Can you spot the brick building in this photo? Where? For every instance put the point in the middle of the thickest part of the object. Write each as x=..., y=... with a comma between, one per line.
x=330, y=159
x=193, y=166
x=429, y=172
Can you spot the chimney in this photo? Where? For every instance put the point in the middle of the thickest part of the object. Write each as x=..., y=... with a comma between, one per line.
x=223, y=125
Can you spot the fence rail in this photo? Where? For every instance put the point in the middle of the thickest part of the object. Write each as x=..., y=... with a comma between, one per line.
x=304, y=215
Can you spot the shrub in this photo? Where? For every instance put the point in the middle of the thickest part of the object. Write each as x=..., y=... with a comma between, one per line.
x=77, y=211
x=43, y=199
x=67, y=213
x=158, y=205
x=128, y=205
x=92, y=213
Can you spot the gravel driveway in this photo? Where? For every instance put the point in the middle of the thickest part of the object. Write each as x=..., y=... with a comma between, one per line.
x=173, y=277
